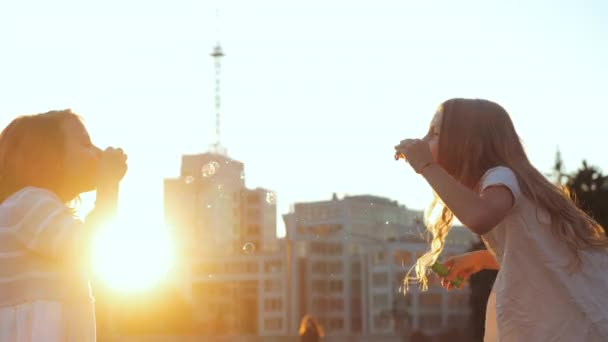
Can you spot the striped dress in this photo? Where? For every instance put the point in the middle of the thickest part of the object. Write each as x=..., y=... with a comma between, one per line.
x=44, y=288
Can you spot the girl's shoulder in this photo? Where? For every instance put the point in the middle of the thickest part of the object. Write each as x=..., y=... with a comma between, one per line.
x=30, y=195
x=501, y=176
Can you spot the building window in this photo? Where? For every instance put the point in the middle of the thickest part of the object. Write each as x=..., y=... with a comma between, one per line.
x=456, y=300
x=336, y=324
x=319, y=286
x=272, y=266
x=336, y=304
x=403, y=258
x=380, y=279
x=380, y=301
x=253, y=229
x=335, y=267
x=252, y=267
x=319, y=304
x=356, y=268
x=430, y=322
x=319, y=267
x=379, y=258
x=253, y=197
x=206, y=269
x=336, y=286
x=273, y=323
x=381, y=321
x=272, y=285
x=430, y=300
x=273, y=305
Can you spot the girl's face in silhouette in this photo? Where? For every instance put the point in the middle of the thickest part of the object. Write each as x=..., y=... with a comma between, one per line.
x=80, y=157
x=432, y=137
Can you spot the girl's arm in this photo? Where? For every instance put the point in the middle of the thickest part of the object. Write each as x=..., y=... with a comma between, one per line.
x=480, y=213
x=106, y=203
x=111, y=169
x=487, y=260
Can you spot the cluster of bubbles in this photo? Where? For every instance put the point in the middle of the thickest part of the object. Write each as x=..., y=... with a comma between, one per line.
x=271, y=197
x=210, y=169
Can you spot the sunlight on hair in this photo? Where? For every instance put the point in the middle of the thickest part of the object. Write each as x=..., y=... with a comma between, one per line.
x=132, y=256
x=438, y=220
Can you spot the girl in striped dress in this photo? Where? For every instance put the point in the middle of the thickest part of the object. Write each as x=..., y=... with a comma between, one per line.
x=46, y=161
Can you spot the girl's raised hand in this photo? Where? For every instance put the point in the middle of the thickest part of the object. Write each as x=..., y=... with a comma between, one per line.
x=112, y=165
x=417, y=153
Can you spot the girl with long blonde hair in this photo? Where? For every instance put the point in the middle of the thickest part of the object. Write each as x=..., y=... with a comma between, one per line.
x=551, y=256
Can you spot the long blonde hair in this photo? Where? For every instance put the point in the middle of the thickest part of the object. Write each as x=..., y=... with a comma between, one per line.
x=477, y=135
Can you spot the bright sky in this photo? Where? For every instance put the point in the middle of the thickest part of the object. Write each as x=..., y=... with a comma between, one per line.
x=315, y=94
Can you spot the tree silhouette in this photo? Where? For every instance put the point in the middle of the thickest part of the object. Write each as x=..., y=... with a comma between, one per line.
x=588, y=187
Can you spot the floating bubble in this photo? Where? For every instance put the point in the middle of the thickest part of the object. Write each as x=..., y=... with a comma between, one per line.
x=210, y=169
x=271, y=197
x=386, y=222
x=220, y=187
x=248, y=248
x=189, y=180
x=208, y=205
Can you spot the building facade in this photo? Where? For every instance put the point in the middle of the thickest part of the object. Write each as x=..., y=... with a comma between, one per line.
x=342, y=260
x=347, y=261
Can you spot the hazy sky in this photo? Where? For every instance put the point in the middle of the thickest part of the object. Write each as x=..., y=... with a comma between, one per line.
x=315, y=94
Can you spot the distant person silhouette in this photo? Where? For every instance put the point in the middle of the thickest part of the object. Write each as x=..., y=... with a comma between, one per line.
x=552, y=257
x=310, y=330
x=46, y=161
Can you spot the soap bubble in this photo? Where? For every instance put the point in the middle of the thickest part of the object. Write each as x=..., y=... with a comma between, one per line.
x=248, y=248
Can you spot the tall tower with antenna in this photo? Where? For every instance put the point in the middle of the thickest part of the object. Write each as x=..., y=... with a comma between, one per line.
x=217, y=55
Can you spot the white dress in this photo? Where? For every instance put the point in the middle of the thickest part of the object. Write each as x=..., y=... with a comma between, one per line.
x=535, y=297
x=47, y=321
